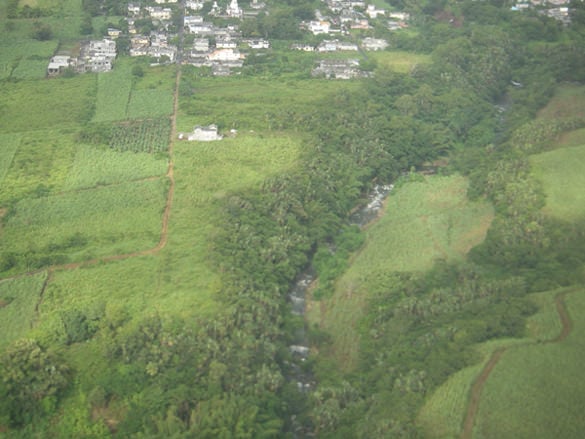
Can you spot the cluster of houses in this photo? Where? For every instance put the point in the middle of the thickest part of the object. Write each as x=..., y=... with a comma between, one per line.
x=339, y=69
x=222, y=48
x=350, y=15
x=336, y=45
x=94, y=56
x=557, y=9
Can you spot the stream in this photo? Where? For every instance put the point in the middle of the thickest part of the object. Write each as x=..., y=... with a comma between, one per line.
x=300, y=350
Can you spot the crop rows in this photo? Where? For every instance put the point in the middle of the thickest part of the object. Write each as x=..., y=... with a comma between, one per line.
x=101, y=166
x=150, y=103
x=18, y=298
x=113, y=93
x=9, y=144
x=150, y=135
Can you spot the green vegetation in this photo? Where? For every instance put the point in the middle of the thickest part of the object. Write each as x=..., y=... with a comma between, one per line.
x=150, y=136
x=535, y=390
x=85, y=224
x=168, y=262
x=399, y=61
x=18, y=301
x=113, y=94
x=10, y=144
x=424, y=221
x=562, y=178
x=100, y=166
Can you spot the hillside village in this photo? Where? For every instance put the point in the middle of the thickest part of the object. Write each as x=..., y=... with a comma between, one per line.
x=153, y=29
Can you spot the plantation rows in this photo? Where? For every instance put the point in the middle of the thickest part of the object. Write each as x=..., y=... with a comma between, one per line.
x=151, y=135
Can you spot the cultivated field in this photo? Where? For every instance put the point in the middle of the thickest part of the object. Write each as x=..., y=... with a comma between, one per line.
x=18, y=299
x=103, y=166
x=423, y=221
x=80, y=225
x=444, y=412
x=537, y=391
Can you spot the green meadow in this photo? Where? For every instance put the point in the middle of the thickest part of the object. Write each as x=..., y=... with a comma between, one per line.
x=399, y=61
x=423, y=221
x=563, y=180
x=48, y=104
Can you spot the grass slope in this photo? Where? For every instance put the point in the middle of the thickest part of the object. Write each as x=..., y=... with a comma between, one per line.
x=399, y=61
x=561, y=172
x=443, y=414
x=423, y=221
x=537, y=391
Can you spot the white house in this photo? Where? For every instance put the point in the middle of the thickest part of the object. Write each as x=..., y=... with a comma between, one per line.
x=224, y=55
x=201, y=45
x=203, y=134
x=259, y=44
x=402, y=16
x=225, y=43
x=373, y=12
x=133, y=9
x=159, y=13
x=319, y=27
x=57, y=64
x=374, y=44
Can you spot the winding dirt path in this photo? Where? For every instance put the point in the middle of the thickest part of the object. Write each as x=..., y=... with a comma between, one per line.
x=479, y=383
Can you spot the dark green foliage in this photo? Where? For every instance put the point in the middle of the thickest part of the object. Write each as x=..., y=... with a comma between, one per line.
x=42, y=31
x=150, y=135
x=32, y=379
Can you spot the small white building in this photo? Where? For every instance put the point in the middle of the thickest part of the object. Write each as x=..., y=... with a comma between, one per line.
x=57, y=64
x=224, y=55
x=374, y=12
x=259, y=44
x=207, y=133
x=225, y=43
x=201, y=45
x=374, y=44
x=159, y=13
x=194, y=5
x=319, y=27
x=133, y=9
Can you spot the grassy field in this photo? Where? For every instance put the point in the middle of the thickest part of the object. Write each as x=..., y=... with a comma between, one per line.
x=113, y=93
x=423, y=221
x=254, y=104
x=25, y=58
x=18, y=299
x=100, y=166
x=537, y=391
x=46, y=105
x=40, y=164
x=568, y=101
x=111, y=220
x=178, y=280
x=561, y=172
x=399, y=61
x=9, y=144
